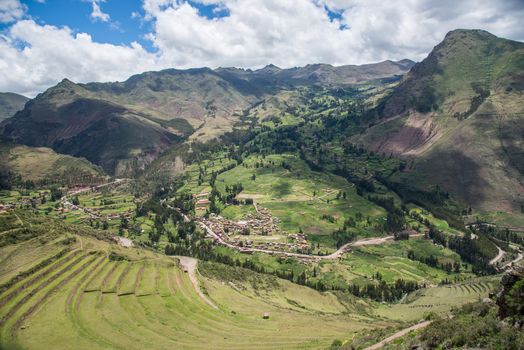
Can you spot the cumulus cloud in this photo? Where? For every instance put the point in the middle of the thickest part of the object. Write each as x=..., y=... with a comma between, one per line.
x=11, y=10
x=248, y=33
x=97, y=14
x=34, y=57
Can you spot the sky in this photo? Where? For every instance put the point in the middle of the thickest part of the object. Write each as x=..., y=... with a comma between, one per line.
x=45, y=41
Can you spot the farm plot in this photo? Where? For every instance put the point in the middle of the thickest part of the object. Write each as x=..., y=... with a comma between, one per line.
x=438, y=299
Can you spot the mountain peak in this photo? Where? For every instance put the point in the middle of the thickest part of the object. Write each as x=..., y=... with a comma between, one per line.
x=468, y=32
x=270, y=68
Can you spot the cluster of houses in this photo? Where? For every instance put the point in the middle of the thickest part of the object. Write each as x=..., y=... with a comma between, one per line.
x=260, y=224
x=4, y=207
x=201, y=200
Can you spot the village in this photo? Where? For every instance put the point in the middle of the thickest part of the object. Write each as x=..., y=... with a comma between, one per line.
x=258, y=230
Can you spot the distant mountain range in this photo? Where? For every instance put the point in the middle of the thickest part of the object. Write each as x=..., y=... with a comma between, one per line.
x=11, y=103
x=123, y=126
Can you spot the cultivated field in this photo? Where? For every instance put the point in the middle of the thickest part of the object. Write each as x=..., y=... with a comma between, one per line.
x=439, y=299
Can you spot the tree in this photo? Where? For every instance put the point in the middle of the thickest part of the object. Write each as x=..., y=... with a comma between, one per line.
x=56, y=194
x=170, y=250
x=395, y=222
x=515, y=301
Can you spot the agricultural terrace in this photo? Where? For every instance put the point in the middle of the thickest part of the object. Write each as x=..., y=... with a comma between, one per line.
x=100, y=208
x=99, y=295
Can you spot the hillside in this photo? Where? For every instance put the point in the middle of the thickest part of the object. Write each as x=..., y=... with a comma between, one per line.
x=123, y=126
x=11, y=103
x=457, y=118
x=43, y=165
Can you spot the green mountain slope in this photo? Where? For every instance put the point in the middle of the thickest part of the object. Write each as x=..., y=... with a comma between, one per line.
x=11, y=103
x=458, y=117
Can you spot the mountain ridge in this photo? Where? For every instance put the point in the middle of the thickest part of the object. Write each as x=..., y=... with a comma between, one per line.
x=130, y=123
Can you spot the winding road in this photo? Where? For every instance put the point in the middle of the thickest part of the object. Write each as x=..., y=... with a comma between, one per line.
x=499, y=256
x=340, y=251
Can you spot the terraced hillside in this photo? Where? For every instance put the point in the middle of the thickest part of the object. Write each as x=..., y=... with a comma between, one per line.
x=96, y=301
x=440, y=299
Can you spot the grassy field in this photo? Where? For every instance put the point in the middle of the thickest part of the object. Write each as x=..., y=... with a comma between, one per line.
x=390, y=260
x=36, y=164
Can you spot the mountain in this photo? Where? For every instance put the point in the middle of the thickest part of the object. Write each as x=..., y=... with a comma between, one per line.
x=458, y=118
x=10, y=103
x=122, y=126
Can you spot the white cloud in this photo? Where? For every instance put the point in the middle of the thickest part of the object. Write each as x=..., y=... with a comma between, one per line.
x=252, y=34
x=97, y=14
x=51, y=54
x=11, y=10
x=289, y=33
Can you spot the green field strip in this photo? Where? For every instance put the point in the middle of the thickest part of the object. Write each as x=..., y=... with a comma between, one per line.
x=42, y=295
x=148, y=283
x=95, y=282
x=19, y=299
x=112, y=279
x=127, y=284
x=475, y=288
x=163, y=282
x=468, y=289
x=27, y=278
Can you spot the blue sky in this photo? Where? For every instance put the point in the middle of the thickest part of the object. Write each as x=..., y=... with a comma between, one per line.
x=122, y=28
x=45, y=41
x=76, y=14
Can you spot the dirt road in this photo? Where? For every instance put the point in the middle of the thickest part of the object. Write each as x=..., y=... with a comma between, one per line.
x=397, y=335
x=499, y=256
x=516, y=260
x=190, y=265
